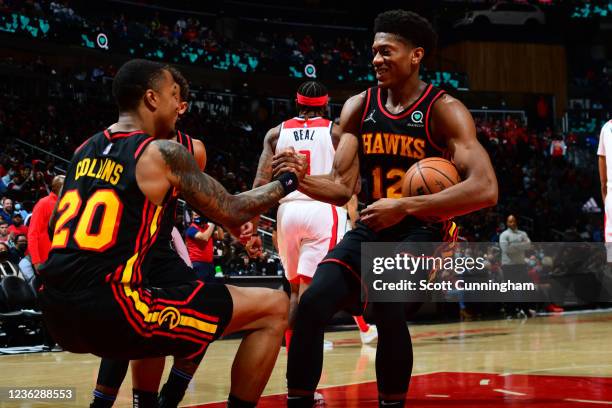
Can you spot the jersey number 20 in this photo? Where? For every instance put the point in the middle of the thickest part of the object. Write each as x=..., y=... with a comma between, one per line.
x=69, y=206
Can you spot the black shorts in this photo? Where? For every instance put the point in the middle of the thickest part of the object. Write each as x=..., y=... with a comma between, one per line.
x=122, y=322
x=167, y=268
x=348, y=251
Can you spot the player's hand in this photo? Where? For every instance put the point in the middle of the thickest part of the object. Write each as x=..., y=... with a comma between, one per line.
x=383, y=213
x=254, y=247
x=246, y=232
x=289, y=160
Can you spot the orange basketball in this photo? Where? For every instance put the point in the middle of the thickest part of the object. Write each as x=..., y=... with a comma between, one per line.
x=429, y=176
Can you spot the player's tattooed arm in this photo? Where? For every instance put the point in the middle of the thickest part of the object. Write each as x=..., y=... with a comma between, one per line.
x=166, y=163
x=337, y=187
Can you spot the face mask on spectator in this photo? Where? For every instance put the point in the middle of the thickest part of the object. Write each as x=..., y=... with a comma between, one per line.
x=22, y=246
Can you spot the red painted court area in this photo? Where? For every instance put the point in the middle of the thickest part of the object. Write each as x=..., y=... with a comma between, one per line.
x=468, y=390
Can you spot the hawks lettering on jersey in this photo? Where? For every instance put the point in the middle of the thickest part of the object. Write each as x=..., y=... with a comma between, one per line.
x=390, y=143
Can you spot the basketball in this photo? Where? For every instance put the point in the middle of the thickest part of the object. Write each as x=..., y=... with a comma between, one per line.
x=429, y=176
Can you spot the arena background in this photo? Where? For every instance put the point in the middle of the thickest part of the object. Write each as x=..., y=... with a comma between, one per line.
x=536, y=75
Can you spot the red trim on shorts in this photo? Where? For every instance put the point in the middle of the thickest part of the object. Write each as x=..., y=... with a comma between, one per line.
x=427, y=121
x=350, y=268
x=334, y=232
x=409, y=111
x=144, y=144
x=199, y=286
x=148, y=329
x=200, y=351
x=127, y=311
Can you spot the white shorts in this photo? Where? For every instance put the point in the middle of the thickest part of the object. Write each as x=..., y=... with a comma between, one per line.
x=608, y=227
x=306, y=231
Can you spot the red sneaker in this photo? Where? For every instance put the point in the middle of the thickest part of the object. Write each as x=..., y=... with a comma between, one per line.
x=552, y=308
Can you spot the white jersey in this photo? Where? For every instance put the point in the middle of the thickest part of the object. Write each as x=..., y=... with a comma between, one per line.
x=605, y=149
x=312, y=138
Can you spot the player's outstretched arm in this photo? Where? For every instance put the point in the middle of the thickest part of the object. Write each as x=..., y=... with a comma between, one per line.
x=166, y=164
x=338, y=187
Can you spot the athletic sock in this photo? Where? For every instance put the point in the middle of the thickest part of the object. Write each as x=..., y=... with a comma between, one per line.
x=102, y=400
x=235, y=402
x=300, y=401
x=144, y=399
x=361, y=323
x=174, y=389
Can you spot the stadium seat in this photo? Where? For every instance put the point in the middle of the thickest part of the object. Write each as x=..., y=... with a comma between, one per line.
x=18, y=293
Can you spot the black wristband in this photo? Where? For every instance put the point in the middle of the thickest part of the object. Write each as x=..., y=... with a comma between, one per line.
x=289, y=181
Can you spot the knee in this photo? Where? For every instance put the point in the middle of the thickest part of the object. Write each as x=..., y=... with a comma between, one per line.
x=314, y=309
x=278, y=310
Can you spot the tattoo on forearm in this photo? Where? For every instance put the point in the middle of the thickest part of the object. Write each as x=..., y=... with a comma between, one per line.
x=209, y=196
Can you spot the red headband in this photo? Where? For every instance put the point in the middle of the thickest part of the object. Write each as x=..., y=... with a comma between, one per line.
x=307, y=101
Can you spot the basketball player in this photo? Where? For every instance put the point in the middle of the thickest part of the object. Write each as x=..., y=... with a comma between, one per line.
x=384, y=131
x=96, y=297
x=604, y=151
x=147, y=373
x=307, y=229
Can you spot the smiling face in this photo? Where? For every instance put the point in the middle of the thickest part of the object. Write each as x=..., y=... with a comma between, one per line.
x=395, y=59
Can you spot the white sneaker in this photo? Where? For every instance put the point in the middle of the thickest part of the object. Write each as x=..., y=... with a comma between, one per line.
x=319, y=398
x=328, y=345
x=370, y=336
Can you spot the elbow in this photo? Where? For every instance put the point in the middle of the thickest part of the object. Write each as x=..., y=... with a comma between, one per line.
x=342, y=198
x=492, y=195
x=341, y=201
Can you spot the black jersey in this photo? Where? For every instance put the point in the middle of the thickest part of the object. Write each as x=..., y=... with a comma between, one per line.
x=104, y=225
x=390, y=143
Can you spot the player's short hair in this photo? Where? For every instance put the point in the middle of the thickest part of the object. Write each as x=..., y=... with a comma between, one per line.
x=181, y=81
x=410, y=26
x=132, y=81
x=311, y=89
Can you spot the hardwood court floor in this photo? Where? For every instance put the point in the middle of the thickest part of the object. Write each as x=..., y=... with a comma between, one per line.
x=554, y=361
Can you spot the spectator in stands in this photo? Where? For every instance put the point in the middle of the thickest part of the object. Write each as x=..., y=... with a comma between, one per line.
x=17, y=227
x=4, y=233
x=514, y=243
x=200, y=247
x=7, y=210
x=38, y=237
x=20, y=256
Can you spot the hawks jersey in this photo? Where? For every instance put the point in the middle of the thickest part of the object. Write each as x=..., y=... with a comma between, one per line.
x=390, y=143
x=104, y=225
x=312, y=138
